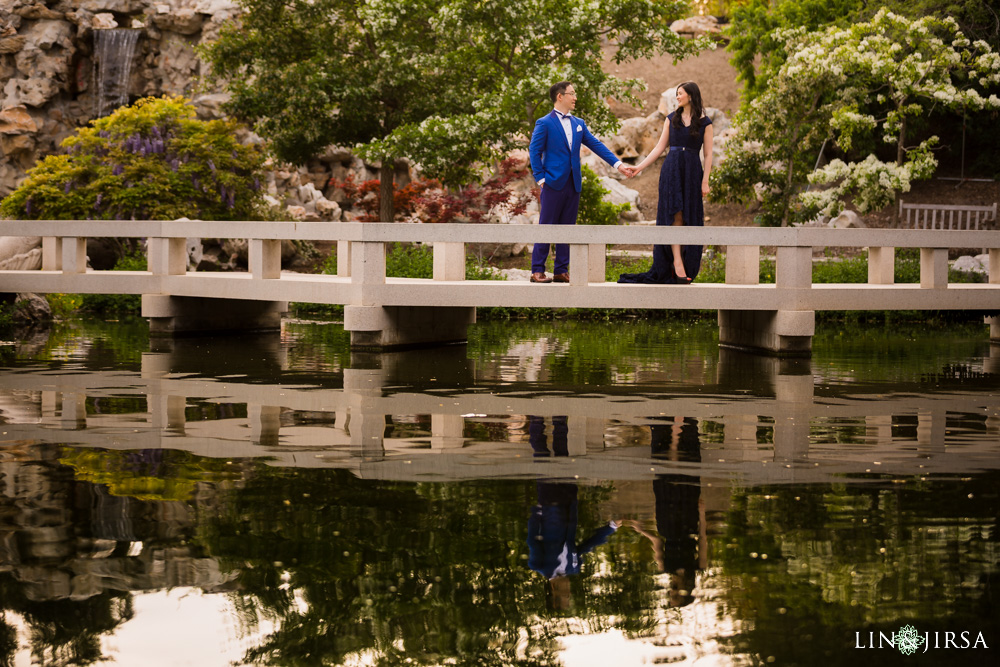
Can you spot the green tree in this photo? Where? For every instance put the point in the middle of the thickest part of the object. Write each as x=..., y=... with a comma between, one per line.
x=446, y=83
x=853, y=88
x=758, y=53
x=150, y=161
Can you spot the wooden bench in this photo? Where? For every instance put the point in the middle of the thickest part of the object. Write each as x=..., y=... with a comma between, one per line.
x=944, y=216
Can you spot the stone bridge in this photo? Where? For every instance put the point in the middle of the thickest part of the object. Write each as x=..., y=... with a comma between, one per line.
x=384, y=312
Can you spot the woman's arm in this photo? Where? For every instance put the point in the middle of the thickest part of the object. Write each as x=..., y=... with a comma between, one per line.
x=707, y=147
x=661, y=145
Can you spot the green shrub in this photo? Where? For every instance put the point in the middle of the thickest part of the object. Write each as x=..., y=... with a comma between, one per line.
x=151, y=161
x=593, y=209
x=409, y=261
x=118, y=303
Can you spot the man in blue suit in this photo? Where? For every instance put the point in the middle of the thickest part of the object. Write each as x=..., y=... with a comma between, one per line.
x=555, y=164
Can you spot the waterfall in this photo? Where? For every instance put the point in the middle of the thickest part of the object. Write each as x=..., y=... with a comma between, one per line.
x=113, y=51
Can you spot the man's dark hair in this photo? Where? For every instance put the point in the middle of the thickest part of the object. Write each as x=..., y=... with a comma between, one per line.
x=558, y=89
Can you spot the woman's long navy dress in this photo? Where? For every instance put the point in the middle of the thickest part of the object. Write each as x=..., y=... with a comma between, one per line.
x=680, y=190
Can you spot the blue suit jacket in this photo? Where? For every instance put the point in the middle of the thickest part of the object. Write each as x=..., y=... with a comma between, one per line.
x=557, y=162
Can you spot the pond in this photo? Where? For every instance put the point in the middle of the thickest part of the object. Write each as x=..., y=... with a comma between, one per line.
x=576, y=493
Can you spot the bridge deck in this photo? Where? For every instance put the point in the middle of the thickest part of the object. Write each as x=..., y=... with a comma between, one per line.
x=314, y=288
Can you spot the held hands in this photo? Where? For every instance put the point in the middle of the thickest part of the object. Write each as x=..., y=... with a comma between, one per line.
x=627, y=170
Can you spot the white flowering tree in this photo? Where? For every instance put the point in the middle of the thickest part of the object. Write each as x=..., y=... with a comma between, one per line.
x=447, y=83
x=851, y=90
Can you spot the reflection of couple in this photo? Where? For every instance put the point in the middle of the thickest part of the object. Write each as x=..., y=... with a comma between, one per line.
x=555, y=163
x=552, y=548
x=679, y=548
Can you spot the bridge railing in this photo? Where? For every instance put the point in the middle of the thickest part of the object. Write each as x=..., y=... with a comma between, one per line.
x=361, y=247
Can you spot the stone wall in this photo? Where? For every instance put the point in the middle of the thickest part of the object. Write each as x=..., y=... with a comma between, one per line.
x=47, y=65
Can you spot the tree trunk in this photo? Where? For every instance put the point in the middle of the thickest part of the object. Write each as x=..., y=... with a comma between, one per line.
x=386, y=206
x=900, y=154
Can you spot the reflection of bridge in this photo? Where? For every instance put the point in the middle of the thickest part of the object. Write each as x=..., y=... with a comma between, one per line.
x=779, y=434
x=383, y=312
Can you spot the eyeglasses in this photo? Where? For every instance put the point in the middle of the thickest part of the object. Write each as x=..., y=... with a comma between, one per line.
x=571, y=93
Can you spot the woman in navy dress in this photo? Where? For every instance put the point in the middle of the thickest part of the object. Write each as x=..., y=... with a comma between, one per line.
x=683, y=183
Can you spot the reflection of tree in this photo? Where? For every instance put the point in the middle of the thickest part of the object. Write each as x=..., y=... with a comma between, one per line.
x=843, y=559
x=63, y=632
x=66, y=562
x=432, y=573
x=8, y=643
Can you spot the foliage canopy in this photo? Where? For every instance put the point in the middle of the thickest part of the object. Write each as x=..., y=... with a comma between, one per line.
x=852, y=89
x=150, y=161
x=447, y=83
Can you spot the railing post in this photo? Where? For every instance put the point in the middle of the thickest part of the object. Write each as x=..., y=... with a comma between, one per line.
x=881, y=266
x=74, y=255
x=742, y=265
x=167, y=256
x=793, y=267
x=265, y=258
x=934, y=268
x=597, y=270
x=344, y=259
x=449, y=261
x=994, y=269
x=51, y=253
x=579, y=255
x=368, y=263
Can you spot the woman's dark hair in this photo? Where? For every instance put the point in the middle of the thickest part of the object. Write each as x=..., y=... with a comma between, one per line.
x=697, y=110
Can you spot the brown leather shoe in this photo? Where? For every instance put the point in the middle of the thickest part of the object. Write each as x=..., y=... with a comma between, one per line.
x=561, y=278
x=540, y=278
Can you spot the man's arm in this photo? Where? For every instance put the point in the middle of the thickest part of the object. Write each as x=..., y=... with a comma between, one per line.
x=594, y=144
x=536, y=149
x=602, y=151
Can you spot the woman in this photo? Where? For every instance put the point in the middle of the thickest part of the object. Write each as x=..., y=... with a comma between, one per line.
x=683, y=183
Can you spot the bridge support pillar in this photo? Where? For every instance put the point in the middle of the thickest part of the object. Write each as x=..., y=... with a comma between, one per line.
x=381, y=327
x=779, y=332
x=994, y=323
x=180, y=315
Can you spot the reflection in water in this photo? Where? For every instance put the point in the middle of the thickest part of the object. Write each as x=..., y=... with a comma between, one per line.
x=371, y=508
x=553, y=551
x=680, y=551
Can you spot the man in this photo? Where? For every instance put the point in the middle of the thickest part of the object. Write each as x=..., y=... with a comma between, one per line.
x=555, y=164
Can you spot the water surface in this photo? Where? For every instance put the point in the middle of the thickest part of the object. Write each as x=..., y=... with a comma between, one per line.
x=553, y=493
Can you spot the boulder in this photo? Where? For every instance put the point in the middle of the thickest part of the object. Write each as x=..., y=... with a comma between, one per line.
x=847, y=220
x=620, y=193
x=637, y=136
x=120, y=6
x=209, y=106
x=328, y=210
x=37, y=12
x=970, y=264
x=46, y=34
x=12, y=44
x=103, y=21
x=696, y=26
x=17, y=120
x=668, y=101
x=184, y=21
x=31, y=309
x=720, y=122
x=296, y=212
